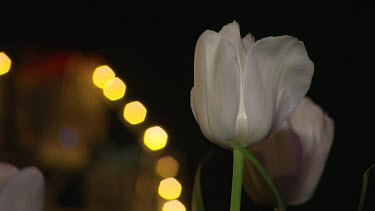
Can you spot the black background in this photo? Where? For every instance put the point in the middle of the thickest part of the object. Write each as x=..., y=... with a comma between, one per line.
x=152, y=47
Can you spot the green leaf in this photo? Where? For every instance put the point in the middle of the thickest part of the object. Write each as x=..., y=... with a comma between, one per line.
x=197, y=199
x=263, y=172
x=364, y=187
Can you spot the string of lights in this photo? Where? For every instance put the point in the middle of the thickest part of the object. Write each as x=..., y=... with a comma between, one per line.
x=155, y=138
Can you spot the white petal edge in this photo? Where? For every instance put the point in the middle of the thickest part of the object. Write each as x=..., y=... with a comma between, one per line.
x=24, y=191
x=192, y=104
x=277, y=76
x=199, y=88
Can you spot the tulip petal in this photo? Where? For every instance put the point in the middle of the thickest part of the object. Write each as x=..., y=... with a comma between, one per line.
x=24, y=191
x=277, y=75
x=294, y=156
x=6, y=172
x=231, y=32
x=248, y=40
x=216, y=87
x=201, y=63
x=281, y=156
x=316, y=132
x=192, y=103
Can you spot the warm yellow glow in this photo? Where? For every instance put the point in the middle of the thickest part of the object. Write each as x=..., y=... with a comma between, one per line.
x=169, y=188
x=114, y=89
x=167, y=167
x=102, y=75
x=173, y=205
x=134, y=112
x=5, y=63
x=155, y=138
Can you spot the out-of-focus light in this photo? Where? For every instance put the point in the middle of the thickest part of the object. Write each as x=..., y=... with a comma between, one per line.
x=134, y=112
x=167, y=167
x=173, y=205
x=68, y=138
x=169, y=188
x=102, y=75
x=5, y=63
x=114, y=89
x=155, y=138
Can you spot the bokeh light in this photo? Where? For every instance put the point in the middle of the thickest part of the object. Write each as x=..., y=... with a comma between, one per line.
x=169, y=188
x=167, y=167
x=114, y=89
x=102, y=75
x=155, y=138
x=134, y=112
x=5, y=63
x=173, y=205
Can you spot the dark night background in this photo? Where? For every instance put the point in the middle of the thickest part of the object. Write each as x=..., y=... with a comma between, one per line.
x=152, y=47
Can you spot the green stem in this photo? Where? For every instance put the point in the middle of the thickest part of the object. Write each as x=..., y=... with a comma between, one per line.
x=364, y=187
x=236, y=180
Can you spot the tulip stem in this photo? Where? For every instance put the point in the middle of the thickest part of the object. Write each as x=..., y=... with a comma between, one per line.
x=237, y=180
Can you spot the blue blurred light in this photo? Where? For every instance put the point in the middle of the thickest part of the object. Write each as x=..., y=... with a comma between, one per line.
x=68, y=138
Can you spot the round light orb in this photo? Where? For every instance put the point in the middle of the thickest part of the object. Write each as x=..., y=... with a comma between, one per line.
x=134, y=112
x=114, y=89
x=155, y=138
x=169, y=188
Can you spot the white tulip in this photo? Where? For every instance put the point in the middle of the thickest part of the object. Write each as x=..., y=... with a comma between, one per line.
x=244, y=90
x=294, y=156
x=21, y=190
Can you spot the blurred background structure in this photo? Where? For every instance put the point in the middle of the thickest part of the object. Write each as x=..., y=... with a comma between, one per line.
x=98, y=97
x=56, y=113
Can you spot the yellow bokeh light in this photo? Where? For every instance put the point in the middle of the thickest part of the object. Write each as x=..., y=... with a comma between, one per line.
x=173, y=205
x=114, y=89
x=134, y=112
x=169, y=188
x=5, y=63
x=155, y=138
x=102, y=75
x=167, y=167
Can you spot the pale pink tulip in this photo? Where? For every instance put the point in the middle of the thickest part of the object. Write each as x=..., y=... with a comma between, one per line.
x=294, y=156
